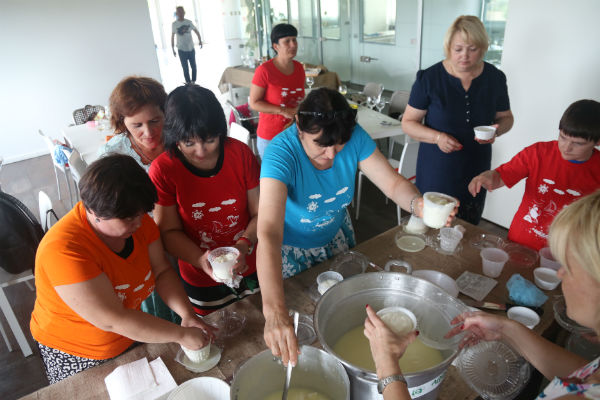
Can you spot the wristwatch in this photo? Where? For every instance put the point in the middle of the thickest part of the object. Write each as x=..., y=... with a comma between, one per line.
x=387, y=380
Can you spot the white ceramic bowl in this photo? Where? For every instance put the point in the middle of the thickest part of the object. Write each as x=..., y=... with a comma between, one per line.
x=546, y=278
x=524, y=315
x=547, y=260
x=484, y=132
x=439, y=279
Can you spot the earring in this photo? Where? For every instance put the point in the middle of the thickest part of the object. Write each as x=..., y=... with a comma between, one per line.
x=97, y=219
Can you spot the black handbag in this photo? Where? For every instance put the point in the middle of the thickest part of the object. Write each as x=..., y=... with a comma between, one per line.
x=20, y=235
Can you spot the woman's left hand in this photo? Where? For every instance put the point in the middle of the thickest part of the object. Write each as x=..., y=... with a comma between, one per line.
x=492, y=140
x=240, y=266
x=195, y=321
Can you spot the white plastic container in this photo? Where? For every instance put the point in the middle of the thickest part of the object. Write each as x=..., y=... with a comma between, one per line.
x=199, y=355
x=547, y=260
x=327, y=279
x=449, y=239
x=400, y=320
x=523, y=315
x=222, y=260
x=484, y=132
x=546, y=278
x=437, y=208
x=415, y=225
x=493, y=261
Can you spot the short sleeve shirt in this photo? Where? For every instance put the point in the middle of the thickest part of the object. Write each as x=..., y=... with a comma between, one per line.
x=552, y=184
x=280, y=90
x=71, y=252
x=453, y=110
x=183, y=31
x=317, y=199
x=120, y=144
x=213, y=210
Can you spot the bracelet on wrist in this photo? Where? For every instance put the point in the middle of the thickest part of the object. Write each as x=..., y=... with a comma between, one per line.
x=412, y=204
x=248, y=242
x=437, y=139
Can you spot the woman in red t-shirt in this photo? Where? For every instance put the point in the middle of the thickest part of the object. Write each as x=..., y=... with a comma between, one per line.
x=278, y=86
x=207, y=188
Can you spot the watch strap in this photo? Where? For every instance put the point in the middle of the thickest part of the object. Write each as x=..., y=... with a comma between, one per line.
x=381, y=385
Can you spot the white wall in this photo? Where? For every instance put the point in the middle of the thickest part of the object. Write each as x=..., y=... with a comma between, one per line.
x=59, y=56
x=551, y=59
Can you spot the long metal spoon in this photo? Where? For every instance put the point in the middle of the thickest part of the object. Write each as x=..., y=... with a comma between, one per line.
x=288, y=371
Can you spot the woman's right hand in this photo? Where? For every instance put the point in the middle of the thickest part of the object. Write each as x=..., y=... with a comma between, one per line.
x=204, y=265
x=386, y=347
x=280, y=338
x=289, y=112
x=447, y=143
x=194, y=338
x=479, y=325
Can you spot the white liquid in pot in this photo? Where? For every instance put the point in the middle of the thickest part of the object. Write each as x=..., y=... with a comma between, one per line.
x=298, y=394
x=353, y=347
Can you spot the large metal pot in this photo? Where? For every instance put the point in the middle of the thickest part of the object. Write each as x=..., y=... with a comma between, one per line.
x=342, y=308
x=264, y=374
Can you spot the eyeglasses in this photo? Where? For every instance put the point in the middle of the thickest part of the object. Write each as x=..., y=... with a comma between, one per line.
x=330, y=114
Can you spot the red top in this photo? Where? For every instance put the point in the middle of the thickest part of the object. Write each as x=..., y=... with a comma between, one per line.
x=552, y=183
x=281, y=90
x=213, y=210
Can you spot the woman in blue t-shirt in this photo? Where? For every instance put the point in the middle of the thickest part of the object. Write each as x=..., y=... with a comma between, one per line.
x=454, y=96
x=307, y=181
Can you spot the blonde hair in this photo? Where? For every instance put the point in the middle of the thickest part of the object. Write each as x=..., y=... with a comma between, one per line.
x=472, y=30
x=576, y=231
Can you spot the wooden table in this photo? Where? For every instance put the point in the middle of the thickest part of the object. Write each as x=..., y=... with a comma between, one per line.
x=380, y=249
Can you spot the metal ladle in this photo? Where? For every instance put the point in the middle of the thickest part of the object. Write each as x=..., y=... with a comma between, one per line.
x=288, y=371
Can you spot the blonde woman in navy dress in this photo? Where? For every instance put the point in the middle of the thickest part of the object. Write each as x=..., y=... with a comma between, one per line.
x=454, y=96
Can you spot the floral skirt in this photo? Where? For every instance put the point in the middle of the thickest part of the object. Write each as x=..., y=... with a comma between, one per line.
x=296, y=259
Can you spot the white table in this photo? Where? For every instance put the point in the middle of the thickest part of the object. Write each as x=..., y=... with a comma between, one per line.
x=378, y=125
x=86, y=139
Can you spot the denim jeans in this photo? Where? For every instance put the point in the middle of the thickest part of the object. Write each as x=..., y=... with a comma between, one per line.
x=184, y=58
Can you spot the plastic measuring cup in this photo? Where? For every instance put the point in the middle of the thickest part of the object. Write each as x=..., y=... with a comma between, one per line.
x=436, y=209
x=493, y=260
x=449, y=239
x=547, y=260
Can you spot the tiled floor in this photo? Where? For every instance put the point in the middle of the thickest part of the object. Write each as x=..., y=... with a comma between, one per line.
x=19, y=375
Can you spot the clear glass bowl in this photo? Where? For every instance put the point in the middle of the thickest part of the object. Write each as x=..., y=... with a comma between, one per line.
x=494, y=370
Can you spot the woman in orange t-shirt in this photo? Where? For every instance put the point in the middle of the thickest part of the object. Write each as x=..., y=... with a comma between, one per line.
x=95, y=267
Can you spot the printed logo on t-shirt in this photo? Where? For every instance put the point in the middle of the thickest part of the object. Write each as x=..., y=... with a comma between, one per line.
x=316, y=200
x=544, y=208
x=224, y=224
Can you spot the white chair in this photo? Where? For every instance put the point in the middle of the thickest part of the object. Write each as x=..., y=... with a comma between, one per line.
x=406, y=166
x=6, y=280
x=57, y=166
x=46, y=211
x=398, y=103
x=240, y=133
x=373, y=89
x=77, y=167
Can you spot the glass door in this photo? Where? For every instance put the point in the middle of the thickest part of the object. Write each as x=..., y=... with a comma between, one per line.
x=385, y=42
x=335, y=36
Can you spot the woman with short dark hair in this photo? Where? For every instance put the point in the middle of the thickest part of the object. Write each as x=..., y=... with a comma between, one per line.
x=207, y=187
x=277, y=86
x=137, y=116
x=307, y=181
x=94, y=268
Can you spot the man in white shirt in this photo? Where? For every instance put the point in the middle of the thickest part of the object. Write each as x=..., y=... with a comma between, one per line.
x=185, y=45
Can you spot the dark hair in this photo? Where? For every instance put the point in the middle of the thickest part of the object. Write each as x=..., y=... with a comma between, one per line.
x=282, y=30
x=131, y=94
x=192, y=112
x=115, y=186
x=582, y=120
x=326, y=109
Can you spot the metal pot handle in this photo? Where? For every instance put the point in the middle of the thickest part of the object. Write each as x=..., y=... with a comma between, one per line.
x=398, y=263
